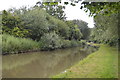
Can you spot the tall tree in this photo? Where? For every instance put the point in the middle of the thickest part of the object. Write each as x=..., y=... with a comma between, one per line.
x=106, y=29
x=75, y=32
x=53, y=9
x=12, y=24
x=83, y=26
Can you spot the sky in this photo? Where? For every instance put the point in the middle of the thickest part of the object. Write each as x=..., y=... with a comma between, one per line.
x=72, y=12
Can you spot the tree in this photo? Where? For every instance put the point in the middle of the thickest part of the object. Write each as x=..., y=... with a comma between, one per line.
x=0, y=22
x=12, y=24
x=36, y=22
x=75, y=32
x=106, y=29
x=83, y=26
x=40, y=23
x=104, y=8
x=53, y=9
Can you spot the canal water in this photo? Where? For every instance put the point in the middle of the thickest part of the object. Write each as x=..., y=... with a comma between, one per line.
x=43, y=64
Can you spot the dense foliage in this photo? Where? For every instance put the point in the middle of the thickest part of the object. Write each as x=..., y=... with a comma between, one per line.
x=37, y=24
x=50, y=41
x=12, y=24
x=106, y=29
x=53, y=9
x=83, y=26
x=106, y=22
x=107, y=8
x=46, y=24
x=11, y=44
x=75, y=32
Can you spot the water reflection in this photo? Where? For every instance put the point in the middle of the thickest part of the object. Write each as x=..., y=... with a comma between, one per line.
x=41, y=64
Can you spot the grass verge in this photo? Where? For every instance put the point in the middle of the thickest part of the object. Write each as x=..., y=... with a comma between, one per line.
x=100, y=64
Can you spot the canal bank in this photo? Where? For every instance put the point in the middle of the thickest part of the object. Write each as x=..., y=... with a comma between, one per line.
x=100, y=64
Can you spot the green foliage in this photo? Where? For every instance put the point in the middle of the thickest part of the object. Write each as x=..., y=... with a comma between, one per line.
x=83, y=26
x=106, y=30
x=50, y=41
x=11, y=44
x=13, y=25
x=9, y=20
x=82, y=42
x=66, y=44
x=63, y=29
x=74, y=43
x=36, y=22
x=19, y=32
x=0, y=22
x=106, y=8
x=39, y=23
x=59, y=26
x=53, y=9
x=75, y=33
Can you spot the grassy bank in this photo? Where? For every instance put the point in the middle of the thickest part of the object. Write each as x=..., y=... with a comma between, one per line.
x=100, y=64
x=11, y=44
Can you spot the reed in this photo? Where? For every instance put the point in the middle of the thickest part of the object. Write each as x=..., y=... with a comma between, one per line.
x=11, y=44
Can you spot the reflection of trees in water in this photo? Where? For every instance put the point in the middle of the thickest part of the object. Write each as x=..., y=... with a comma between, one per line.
x=15, y=60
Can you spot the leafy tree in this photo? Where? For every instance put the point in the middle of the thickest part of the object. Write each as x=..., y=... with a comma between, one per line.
x=104, y=8
x=59, y=26
x=75, y=32
x=39, y=23
x=12, y=24
x=53, y=9
x=83, y=26
x=36, y=22
x=106, y=29
x=0, y=22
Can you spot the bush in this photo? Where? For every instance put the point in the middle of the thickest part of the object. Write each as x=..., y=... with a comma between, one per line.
x=11, y=44
x=50, y=41
x=66, y=44
x=74, y=43
x=83, y=42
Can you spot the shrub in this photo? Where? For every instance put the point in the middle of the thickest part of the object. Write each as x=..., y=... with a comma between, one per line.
x=83, y=42
x=74, y=43
x=50, y=41
x=66, y=43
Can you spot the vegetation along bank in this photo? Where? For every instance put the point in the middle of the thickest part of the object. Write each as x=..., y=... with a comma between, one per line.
x=100, y=64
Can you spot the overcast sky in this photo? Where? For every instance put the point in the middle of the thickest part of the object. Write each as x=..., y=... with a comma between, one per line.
x=72, y=12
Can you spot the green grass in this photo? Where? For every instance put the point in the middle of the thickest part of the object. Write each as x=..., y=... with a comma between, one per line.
x=11, y=44
x=100, y=64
